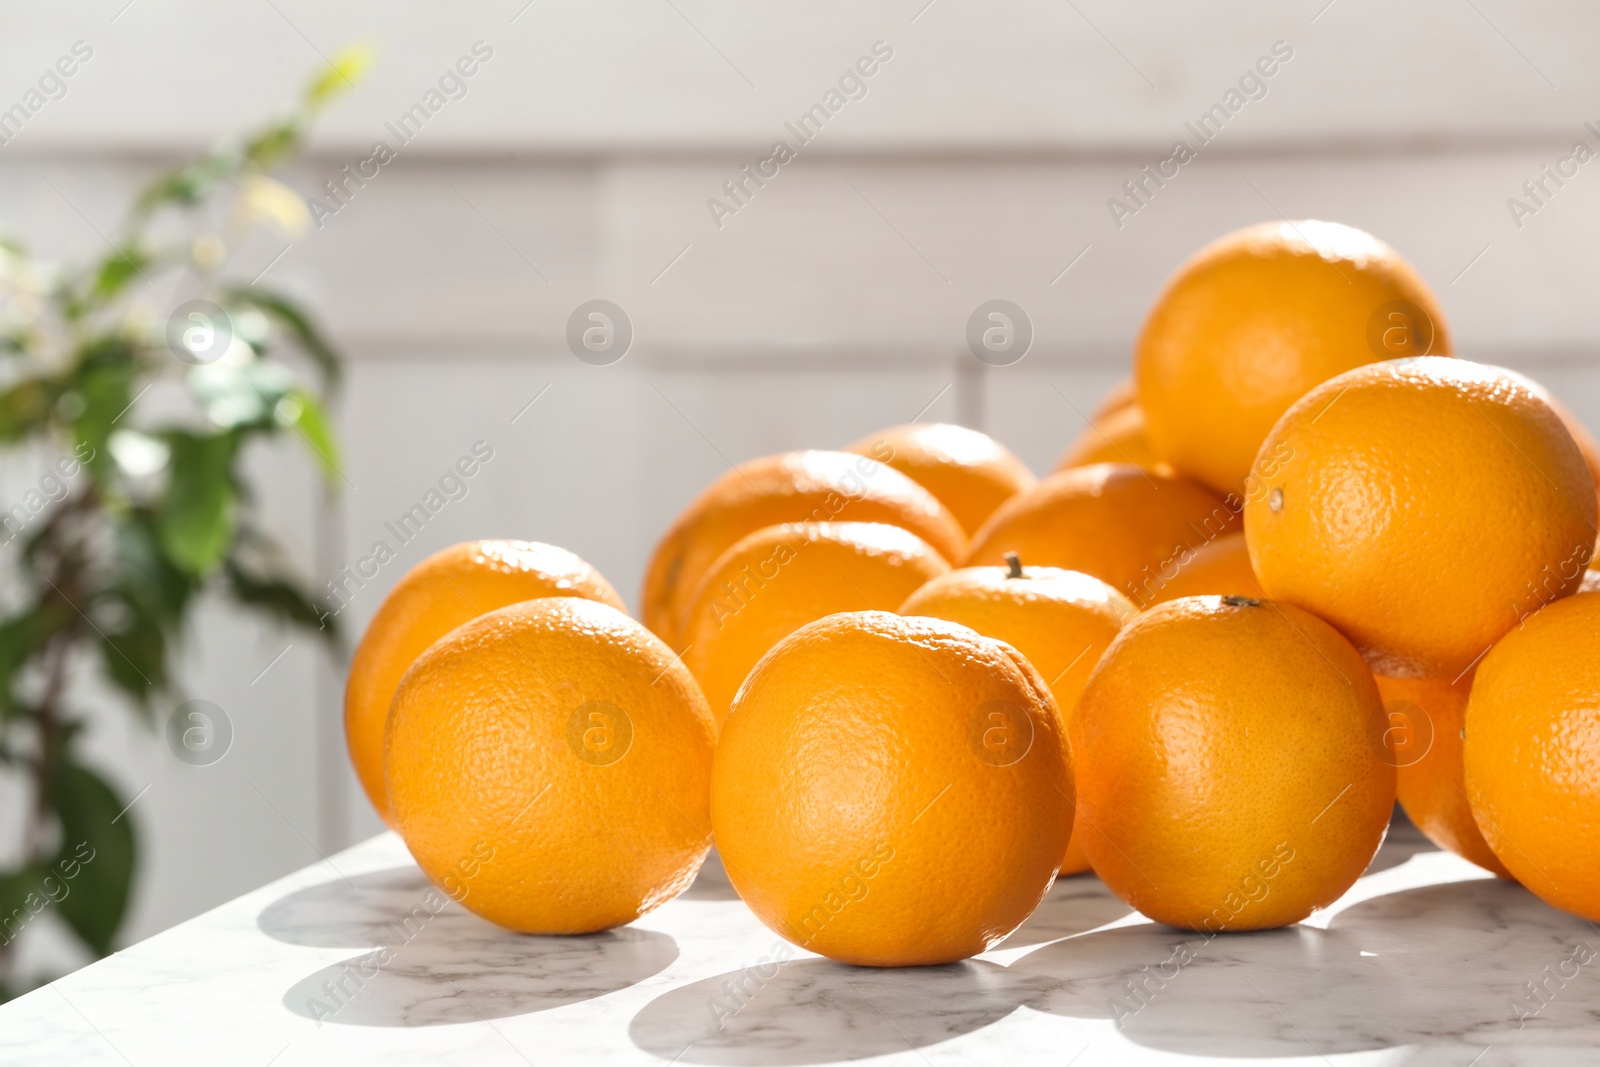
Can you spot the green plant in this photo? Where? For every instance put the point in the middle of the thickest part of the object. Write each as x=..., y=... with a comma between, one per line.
x=108, y=554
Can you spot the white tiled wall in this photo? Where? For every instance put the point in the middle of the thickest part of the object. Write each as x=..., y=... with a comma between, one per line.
x=578, y=166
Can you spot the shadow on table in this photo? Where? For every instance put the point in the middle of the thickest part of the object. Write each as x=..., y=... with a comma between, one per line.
x=1438, y=966
x=818, y=1011
x=1435, y=974
x=346, y=912
x=430, y=962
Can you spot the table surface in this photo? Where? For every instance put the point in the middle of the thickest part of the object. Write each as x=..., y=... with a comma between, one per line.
x=1424, y=961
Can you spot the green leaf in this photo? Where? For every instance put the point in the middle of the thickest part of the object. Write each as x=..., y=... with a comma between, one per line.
x=119, y=268
x=196, y=520
x=347, y=68
x=95, y=862
x=186, y=185
x=280, y=596
x=146, y=575
x=134, y=650
x=20, y=637
x=274, y=144
x=289, y=317
x=25, y=407
x=302, y=411
x=105, y=384
x=15, y=913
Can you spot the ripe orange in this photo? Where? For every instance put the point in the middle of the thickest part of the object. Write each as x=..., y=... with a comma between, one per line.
x=1060, y=620
x=445, y=590
x=1117, y=437
x=1426, y=717
x=1533, y=753
x=888, y=791
x=1580, y=433
x=789, y=487
x=1255, y=319
x=1226, y=778
x=1218, y=568
x=549, y=764
x=970, y=472
x=1421, y=506
x=1112, y=520
x=773, y=582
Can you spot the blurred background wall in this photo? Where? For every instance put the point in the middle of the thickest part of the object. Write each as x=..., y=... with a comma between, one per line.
x=976, y=162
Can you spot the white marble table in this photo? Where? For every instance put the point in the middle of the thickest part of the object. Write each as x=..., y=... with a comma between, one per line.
x=1419, y=963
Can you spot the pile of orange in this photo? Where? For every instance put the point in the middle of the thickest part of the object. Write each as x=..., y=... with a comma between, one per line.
x=1302, y=564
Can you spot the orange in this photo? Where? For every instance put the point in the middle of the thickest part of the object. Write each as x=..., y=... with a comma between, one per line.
x=1580, y=433
x=970, y=472
x=1227, y=776
x=549, y=766
x=1117, y=437
x=778, y=579
x=788, y=487
x=1060, y=620
x=1423, y=507
x=445, y=590
x=1254, y=320
x=1533, y=753
x=1220, y=567
x=1112, y=520
x=1426, y=717
x=888, y=791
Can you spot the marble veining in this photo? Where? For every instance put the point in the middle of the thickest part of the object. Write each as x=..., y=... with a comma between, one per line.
x=1427, y=960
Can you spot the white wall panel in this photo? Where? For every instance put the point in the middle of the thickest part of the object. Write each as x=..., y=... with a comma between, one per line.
x=812, y=268
x=1032, y=75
